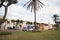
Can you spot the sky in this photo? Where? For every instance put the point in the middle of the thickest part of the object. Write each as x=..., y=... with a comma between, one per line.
x=17, y=11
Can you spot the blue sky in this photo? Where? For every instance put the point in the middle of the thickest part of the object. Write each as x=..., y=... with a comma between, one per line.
x=17, y=11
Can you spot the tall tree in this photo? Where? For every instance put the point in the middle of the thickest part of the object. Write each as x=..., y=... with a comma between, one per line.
x=17, y=22
x=55, y=17
x=6, y=4
x=21, y=21
x=34, y=5
x=29, y=23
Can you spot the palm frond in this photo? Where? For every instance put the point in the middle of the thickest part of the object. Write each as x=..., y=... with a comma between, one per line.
x=41, y=2
x=41, y=6
x=32, y=7
x=34, y=4
x=27, y=3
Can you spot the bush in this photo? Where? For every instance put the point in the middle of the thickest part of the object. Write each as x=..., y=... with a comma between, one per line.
x=5, y=33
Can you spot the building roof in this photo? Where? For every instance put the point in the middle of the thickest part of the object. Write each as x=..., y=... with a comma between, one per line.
x=44, y=24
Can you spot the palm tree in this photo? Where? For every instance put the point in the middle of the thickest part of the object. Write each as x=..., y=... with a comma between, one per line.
x=55, y=16
x=34, y=5
x=6, y=5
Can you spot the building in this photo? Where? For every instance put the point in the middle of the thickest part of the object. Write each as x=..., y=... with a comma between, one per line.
x=43, y=26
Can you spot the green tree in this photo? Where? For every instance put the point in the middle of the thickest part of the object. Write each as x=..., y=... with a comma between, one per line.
x=17, y=22
x=34, y=5
x=55, y=18
x=29, y=23
x=21, y=21
x=13, y=20
x=6, y=4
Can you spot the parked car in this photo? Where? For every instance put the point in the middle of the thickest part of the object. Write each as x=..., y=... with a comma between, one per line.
x=24, y=29
x=28, y=28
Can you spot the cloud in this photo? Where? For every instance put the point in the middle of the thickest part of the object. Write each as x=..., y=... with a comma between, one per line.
x=17, y=11
x=47, y=12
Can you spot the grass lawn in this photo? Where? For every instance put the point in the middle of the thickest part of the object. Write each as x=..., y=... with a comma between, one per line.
x=44, y=35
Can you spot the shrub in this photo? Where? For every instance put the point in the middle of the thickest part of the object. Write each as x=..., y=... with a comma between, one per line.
x=5, y=33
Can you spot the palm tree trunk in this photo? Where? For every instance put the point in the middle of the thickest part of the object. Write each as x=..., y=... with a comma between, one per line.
x=6, y=8
x=35, y=20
